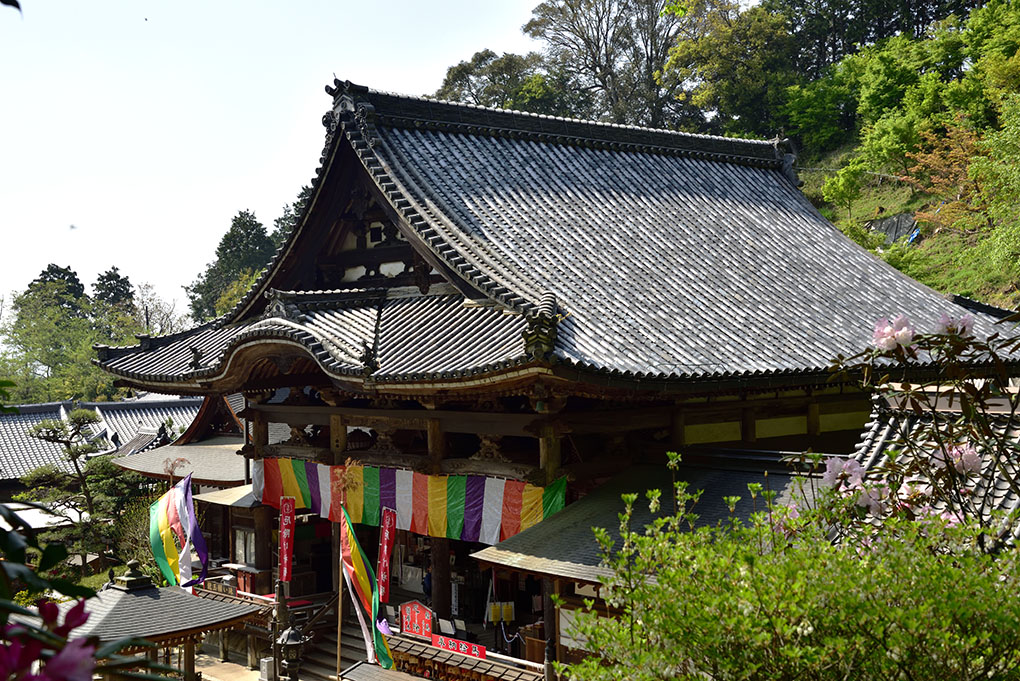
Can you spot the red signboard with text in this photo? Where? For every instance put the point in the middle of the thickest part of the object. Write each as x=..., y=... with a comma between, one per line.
x=416, y=620
x=456, y=646
x=286, y=537
x=387, y=531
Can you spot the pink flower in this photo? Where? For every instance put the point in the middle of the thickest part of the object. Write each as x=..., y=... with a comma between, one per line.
x=48, y=611
x=74, y=618
x=966, y=460
x=839, y=470
x=962, y=326
x=873, y=499
x=74, y=663
x=888, y=334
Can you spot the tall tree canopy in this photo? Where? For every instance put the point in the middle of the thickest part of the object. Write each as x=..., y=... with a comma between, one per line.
x=246, y=247
x=113, y=288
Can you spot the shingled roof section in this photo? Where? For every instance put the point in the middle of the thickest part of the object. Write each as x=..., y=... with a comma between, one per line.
x=564, y=545
x=648, y=255
x=889, y=428
x=123, y=421
x=20, y=453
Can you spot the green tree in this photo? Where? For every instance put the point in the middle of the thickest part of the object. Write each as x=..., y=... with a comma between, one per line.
x=114, y=289
x=245, y=246
x=511, y=81
x=844, y=187
x=616, y=50
x=235, y=291
x=739, y=68
x=88, y=493
x=288, y=220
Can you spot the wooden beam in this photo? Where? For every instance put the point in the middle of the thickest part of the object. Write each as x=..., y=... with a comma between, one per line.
x=259, y=434
x=478, y=423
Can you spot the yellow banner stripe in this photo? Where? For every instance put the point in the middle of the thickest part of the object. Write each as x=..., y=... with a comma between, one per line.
x=437, y=505
x=531, y=506
x=355, y=493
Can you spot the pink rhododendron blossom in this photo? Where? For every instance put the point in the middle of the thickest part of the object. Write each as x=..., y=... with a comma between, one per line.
x=839, y=470
x=962, y=326
x=48, y=612
x=873, y=498
x=966, y=460
x=74, y=662
x=890, y=334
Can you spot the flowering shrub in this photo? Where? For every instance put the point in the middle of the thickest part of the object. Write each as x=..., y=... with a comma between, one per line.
x=905, y=570
x=955, y=452
x=776, y=599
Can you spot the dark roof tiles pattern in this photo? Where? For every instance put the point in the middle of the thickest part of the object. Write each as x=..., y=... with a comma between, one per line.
x=408, y=338
x=20, y=453
x=127, y=418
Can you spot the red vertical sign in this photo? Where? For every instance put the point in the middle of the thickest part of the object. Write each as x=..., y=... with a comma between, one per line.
x=286, y=537
x=387, y=530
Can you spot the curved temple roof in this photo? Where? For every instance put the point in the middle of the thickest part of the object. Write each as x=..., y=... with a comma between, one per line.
x=631, y=252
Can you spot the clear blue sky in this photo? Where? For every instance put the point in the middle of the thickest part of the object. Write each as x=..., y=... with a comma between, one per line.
x=148, y=125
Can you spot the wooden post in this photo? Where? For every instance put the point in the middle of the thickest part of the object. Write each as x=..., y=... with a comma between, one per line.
x=748, y=426
x=260, y=434
x=677, y=434
x=253, y=653
x=338, y=445
x=224, y=648
x=549, y=453
x=189, y=660
x=263, y=516
x=813, y=420
x=440, y=546
x=339, y=623
x=551, y=635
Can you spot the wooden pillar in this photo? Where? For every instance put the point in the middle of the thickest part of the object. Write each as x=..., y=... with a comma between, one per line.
x=224, y=647
x=263, y=516
x=253, y=653
x=678, y=436
x=549, y=452
x=748, y=426
x=440, y=545
x=813, y=420
x=260, y=434
x=189, y=660
x=551, y=628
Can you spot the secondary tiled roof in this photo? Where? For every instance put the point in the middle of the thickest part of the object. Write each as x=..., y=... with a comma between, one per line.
x=645, y=254
x=404, y=337
x=211, y=462
x=564, y=545
x=155, y=613
x=123, y=420
x=20, y=453
x=889, y=428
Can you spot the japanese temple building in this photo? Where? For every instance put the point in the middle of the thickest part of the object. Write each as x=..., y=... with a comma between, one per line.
x=486, y=294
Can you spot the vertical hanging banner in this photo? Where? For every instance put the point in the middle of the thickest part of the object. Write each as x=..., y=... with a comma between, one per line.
x=387, y=531
x=286, y=537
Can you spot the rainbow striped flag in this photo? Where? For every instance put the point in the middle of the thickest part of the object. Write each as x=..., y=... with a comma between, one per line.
x=468, y=507
x=361, y=577
x=173, y=516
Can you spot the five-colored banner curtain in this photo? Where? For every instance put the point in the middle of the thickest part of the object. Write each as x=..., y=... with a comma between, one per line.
x=469, y=507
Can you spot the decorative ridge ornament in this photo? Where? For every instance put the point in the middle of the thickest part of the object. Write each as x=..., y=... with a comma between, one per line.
x=541, y=331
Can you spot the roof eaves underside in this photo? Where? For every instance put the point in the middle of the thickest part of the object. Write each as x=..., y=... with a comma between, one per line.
x=664, y=263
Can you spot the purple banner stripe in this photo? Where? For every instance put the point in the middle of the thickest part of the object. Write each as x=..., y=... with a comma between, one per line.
x=195, y=532
x=312, y=476
x=474, y=500
x=388, y=488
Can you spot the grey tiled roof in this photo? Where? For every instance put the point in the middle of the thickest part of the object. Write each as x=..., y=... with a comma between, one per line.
x=152, y=612
x=890, y=428
x=211, y=462
x=564, y=545
x=412, y=337
x=20, y=453
x=125, y=419
x=654, y=254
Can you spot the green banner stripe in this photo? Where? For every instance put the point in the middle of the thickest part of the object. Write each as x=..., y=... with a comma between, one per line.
x=298, y=466
x=554, y=497
x=156, y=544
x=456, y=488
x=370, y=510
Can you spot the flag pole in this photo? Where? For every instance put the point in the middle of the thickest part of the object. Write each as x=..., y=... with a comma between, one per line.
x=339, y=618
